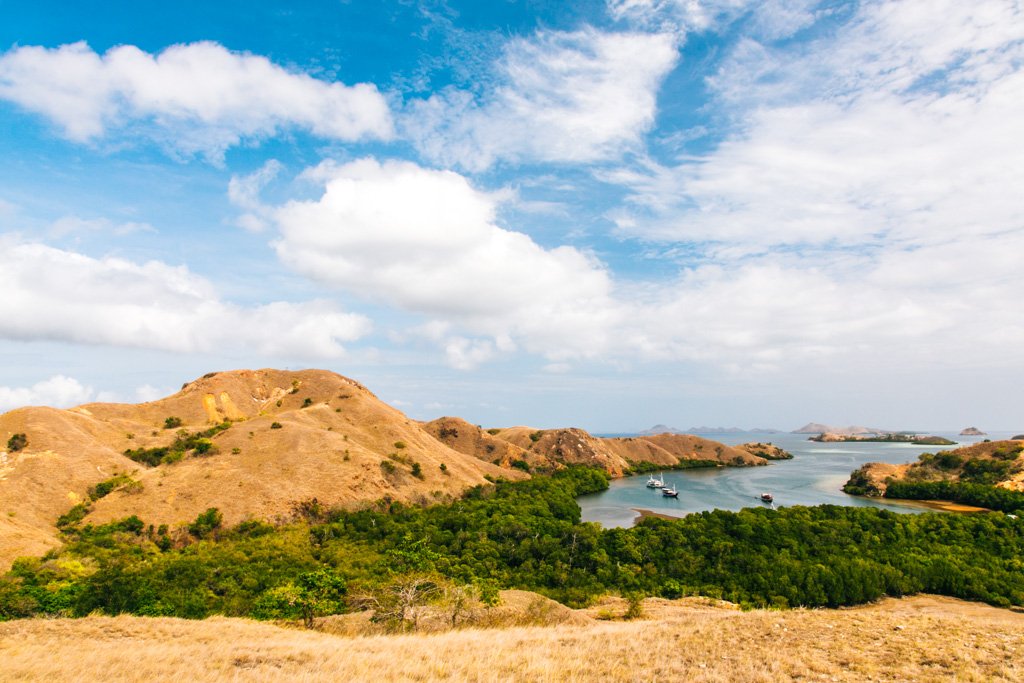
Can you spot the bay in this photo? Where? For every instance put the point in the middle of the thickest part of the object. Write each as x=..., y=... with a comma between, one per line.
x=815, y=476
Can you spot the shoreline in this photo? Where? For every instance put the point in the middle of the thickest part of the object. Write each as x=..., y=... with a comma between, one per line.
x=643, y=513
x=947, y=506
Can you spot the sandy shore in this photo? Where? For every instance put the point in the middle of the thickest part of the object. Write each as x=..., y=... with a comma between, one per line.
x=641, y=513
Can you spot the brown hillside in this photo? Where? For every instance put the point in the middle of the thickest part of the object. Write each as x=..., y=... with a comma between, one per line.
x=617, y=455
x=464, y=437
x=335, y=449
x=948, y=466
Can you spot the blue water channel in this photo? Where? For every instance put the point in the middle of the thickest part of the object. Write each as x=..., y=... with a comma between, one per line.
x=814, y=476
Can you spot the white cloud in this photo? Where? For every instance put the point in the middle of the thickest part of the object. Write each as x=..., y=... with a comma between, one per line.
x=770, y=19
x=148, y=392
x=426, y=241
x=52, y=294
x=244, y=192
x=58, y=391
x=866, y=206
x=556, y=97
x=194, y=98
x=848, y=141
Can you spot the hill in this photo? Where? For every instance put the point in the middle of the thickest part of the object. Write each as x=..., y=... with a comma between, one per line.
x=853, y=430
x=919, y=638
x=267, y=444
x=278, y=439
x=621, y=455
x=993, y=463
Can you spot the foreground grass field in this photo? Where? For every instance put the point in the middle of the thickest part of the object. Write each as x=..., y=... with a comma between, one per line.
x=923, y=638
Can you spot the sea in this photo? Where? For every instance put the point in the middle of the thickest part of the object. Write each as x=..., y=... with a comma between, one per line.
x=815, y=476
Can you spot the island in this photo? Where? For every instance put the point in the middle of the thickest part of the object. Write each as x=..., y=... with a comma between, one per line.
x=892, y=437
x=972, y=431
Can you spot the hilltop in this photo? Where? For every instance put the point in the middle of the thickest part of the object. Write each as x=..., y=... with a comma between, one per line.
x=919, y=638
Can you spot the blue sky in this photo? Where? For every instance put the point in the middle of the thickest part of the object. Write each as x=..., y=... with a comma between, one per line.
x=599, y=214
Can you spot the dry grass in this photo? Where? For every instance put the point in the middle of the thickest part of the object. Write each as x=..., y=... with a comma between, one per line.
x=920, y=639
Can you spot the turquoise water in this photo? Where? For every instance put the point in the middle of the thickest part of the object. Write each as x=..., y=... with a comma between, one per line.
x=814, y=476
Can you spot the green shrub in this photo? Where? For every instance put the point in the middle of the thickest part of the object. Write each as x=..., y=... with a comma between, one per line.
x=307, y=402
x=399, y=445
x=535, y=436
x=206, y=523
x=275, y=425
x=417, y=471
x=17, y=442
x=172, y=423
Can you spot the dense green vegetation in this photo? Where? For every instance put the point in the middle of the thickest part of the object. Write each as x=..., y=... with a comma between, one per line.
x=518, y=535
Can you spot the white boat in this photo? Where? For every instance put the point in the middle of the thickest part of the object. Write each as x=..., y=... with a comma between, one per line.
x=653, y=483
x=767, y=497
x=670, y=492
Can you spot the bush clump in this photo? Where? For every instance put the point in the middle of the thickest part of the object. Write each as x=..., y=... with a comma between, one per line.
x=17, y=442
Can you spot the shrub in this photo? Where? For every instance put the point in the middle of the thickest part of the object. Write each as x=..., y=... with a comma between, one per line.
x=104, y=488
x=387, y=467
x=535, y=436
x=17, y=442
x=399, y=445
x=521, y=465
x=444, y=468
x=275, y=425
x=493, y=431
x=206, y=523
x=417, y=471
x=307, y=402
x=172, y=423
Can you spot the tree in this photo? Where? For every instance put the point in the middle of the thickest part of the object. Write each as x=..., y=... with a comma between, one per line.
x=313, y=594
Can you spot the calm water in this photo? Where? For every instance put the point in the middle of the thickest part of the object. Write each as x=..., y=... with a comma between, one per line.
x=814, y=476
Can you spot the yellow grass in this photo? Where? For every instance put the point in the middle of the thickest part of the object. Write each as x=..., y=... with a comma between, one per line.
x=920, y=639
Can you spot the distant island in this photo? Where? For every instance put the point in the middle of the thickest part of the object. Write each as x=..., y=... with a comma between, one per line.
x=665, y=429
x=853, y=430
x=972, y=431
x=891, y=437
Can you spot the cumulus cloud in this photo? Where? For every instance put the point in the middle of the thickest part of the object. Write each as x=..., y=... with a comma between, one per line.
x=194, y=98
x=557, y=97
x=426, y=241
x=52, y=294
x=58, y=391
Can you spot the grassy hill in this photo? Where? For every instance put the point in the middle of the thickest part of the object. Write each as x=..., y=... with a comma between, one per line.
x=280, y=438
x=920, y=638
x=262, y=444
x=989, y=463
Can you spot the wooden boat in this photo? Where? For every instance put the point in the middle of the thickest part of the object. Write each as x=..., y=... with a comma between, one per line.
x=670, y=492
